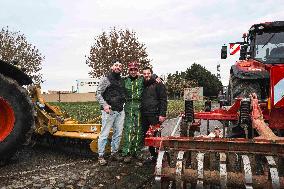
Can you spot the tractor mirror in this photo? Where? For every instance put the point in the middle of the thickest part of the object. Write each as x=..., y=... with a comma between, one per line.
x=243, y=52
x=224, y=52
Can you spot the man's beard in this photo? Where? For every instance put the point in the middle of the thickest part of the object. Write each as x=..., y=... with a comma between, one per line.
x=133, y=77
x=116, y=75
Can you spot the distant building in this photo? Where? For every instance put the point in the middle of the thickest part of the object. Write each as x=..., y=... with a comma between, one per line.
x=87, y=85
x=56, y=92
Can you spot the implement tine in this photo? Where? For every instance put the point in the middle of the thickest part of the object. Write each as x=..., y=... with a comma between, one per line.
x=179, y=167
x=273, y=172
x=223, y=171
x=248, y=173
x=158, y=172
x=200, y=170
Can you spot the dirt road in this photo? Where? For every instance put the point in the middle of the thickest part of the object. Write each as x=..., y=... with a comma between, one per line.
x=41, y=167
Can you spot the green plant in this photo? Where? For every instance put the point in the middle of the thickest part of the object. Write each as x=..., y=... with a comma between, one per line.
x=89, y=112
x=175, y=107
x=84, y=112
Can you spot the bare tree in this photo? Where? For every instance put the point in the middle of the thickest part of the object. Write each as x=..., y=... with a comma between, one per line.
x=15, y=48
x=122, y=45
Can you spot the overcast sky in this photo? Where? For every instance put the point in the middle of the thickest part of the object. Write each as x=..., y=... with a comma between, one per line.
x=177, y=33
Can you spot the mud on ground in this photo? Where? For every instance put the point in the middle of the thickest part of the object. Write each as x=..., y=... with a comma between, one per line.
x=40, y=167
x=44, y=167
x=48, y=168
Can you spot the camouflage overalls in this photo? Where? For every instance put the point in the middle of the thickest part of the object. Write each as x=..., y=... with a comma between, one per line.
x=132, y=131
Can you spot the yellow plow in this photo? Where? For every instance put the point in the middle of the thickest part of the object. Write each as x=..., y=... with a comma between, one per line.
x=52, y=122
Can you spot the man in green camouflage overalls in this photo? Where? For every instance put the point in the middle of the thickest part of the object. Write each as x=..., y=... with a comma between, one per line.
x=132, y=131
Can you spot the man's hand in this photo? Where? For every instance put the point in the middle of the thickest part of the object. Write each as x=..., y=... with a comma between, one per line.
x=158, y=80
x=107, y=108
x=162, y=119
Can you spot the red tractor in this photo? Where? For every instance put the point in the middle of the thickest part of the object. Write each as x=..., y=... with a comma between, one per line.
x=263, y=47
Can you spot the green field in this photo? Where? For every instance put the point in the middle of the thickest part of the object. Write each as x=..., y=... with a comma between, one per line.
x=82, y=111
x=90, y=111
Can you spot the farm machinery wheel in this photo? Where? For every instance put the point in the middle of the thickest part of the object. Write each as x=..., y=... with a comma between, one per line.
x=239, y=88
x=242, y=88
x=16, y=117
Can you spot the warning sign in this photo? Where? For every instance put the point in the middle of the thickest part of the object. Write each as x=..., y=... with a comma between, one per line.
x=234, y=48
x=195, y=93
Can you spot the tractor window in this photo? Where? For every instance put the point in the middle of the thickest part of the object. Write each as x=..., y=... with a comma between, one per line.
x=269, y=47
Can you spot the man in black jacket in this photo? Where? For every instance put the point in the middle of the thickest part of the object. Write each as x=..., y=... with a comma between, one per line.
x=153, y=105
x=111, y=97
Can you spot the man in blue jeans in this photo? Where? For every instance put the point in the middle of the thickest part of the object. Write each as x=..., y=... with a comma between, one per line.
x=111, y=97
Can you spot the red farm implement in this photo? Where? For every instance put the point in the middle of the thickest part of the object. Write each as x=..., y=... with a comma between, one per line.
x=248, y=151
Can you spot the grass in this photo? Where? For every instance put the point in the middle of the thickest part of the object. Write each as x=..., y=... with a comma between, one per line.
x=84, y=112
x=175, y=107
x=89, y=112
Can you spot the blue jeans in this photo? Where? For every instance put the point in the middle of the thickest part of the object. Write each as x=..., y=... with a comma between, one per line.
x=114, y=120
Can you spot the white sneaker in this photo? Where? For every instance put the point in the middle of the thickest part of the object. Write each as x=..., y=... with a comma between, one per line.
x=102, y=161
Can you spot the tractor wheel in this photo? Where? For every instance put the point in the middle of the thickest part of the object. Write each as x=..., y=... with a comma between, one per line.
x=16, y=117
x=239, y=88
x=242, y=88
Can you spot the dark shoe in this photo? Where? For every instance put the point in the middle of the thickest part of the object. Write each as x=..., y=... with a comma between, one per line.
x=150, y=161
x=116, y=157
x=139, y=156
x=102, y=161
x=127, y=159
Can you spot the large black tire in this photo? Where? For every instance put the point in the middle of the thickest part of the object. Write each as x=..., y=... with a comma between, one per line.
x=17, y=100
x=242, y=88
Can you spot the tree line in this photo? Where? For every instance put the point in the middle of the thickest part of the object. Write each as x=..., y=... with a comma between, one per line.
x=194, y=76
x=117, y=44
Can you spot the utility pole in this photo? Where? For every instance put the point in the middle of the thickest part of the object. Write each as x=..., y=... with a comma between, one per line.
x=59, y=96
x=218, y=72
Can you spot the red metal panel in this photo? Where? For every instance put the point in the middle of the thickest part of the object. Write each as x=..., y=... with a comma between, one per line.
x=276, y=120
x=277, y=97
x=276, y=80
x=237, y=145
x=221, y=114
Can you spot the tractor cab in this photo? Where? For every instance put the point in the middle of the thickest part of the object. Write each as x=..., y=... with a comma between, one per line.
x=267, y=42
x=260, y=49
x=264, y=43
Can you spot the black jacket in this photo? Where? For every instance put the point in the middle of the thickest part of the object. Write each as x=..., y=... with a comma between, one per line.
x=154, y=98
x=111, y=92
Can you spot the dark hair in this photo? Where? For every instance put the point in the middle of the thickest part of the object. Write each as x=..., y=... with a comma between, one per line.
x=115, y=60
x=148, y=68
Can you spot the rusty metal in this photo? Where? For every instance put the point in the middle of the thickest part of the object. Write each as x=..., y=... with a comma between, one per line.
x=247, y=172
x=249, y=162
x=234, y=179
x=223, y=171
x=200, y=175
x=267, y=143
x=179, y=170
x=200, y=170
x=158, y=169
x=237, y=145
x=274, y=176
